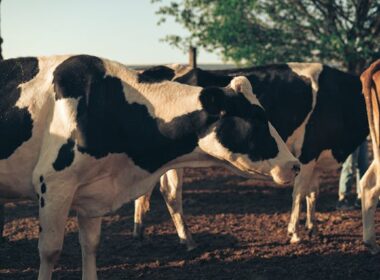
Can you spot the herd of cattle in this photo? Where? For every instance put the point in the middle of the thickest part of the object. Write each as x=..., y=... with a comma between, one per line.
x=85, y=133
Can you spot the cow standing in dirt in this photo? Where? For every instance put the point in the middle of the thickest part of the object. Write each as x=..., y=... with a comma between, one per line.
x=370, y=183
x=318, y=111
x=87, y=133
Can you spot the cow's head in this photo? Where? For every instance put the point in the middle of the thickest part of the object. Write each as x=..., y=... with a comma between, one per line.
x=241, y=134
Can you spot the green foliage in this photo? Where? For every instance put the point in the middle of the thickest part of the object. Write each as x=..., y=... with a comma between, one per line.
x=345, y=32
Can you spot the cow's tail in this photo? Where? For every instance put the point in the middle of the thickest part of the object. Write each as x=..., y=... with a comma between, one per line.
x=372, y=99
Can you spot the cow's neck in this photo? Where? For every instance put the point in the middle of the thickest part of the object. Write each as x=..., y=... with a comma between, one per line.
x=167, y=119
x=144, y=182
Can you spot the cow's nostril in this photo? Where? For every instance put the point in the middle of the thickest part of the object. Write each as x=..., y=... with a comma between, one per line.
x=296, y=168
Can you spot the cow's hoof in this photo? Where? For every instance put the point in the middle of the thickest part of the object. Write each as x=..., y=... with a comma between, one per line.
x=138, y=231
x=189, y=243
x=313, y=232
x=182, y=241
x=294, y=239
x=372, y=247
x=191, y=246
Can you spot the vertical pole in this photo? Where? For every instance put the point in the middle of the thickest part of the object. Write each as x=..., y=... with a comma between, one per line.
x=193, y=57
x=1, y=47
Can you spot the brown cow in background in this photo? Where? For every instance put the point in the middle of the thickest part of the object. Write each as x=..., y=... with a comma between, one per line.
x=370, y=183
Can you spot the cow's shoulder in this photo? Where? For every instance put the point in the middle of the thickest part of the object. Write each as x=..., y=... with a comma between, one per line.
x=310, y=70
x=286, y=93
x=338, y=122
x=74, y=76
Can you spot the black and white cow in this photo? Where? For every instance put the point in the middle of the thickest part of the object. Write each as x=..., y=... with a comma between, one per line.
x=86, y=133
x=317, y=110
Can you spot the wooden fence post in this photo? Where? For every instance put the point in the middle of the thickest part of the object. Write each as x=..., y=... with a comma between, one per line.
x=193, y=57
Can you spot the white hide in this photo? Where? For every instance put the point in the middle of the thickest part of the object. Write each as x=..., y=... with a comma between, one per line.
x=312, y=72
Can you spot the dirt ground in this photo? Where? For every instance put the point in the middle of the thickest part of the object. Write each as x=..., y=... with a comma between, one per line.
x=239, y=225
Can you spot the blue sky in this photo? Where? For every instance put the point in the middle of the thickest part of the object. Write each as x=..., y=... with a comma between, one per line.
x=123, y=30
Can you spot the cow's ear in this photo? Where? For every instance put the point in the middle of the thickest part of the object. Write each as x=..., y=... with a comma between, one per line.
x=156, y=74
x=213, y=100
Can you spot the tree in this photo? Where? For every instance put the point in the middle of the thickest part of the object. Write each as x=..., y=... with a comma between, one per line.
x=343, y=32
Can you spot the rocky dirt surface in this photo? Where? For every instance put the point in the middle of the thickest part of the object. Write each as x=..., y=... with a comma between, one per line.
x=239, y=225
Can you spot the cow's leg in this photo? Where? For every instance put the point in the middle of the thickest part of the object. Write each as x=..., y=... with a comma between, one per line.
x=171, y=189
x=300, y=189
x=311, y=199
x=370, y=195
x=53, y=213
x=142, y=205
x=89, y=236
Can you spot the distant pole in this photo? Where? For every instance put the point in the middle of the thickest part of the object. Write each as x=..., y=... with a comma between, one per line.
x=1, y=47
x=192, y=57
